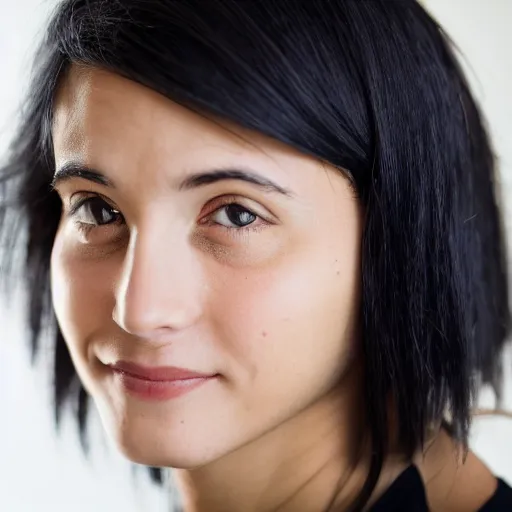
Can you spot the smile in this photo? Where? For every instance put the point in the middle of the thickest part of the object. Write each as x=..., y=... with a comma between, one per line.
x=159, y=383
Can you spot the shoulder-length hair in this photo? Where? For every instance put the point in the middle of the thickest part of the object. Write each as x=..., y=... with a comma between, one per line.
x=370, y=87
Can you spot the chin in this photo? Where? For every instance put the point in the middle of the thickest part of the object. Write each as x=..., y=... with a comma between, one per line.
x=152, y=444
x=164, y=457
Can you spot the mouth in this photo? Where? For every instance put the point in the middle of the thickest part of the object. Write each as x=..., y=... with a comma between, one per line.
x=157, y=383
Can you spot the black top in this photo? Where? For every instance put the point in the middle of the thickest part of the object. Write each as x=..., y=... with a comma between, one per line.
x=407, y=494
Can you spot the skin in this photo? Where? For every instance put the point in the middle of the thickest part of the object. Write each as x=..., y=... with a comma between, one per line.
x=270, y=308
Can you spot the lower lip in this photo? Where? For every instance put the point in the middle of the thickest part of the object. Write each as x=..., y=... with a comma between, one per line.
x=159, y=390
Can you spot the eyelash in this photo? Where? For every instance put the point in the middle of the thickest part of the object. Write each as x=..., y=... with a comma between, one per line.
x=86, y=227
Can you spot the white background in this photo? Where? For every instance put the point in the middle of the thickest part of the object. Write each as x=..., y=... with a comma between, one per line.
x=40, y=472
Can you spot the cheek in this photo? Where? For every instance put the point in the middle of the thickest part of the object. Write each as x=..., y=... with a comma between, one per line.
x=290, y=327
x=81, y=296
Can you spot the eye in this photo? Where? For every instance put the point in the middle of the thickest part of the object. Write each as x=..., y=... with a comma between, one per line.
x=94, y=211
x=234, y=216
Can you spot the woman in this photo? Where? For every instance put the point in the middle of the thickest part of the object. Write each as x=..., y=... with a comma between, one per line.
x=268, y=232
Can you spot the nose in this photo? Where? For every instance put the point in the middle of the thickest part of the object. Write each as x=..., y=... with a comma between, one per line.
x=160, y=289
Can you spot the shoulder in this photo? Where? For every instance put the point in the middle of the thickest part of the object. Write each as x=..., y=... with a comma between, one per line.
x=455, y=480
x=408, y=493
x=442, y=478
x=501, y=500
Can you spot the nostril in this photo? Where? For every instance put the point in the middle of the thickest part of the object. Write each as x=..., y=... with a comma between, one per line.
x=154, y=321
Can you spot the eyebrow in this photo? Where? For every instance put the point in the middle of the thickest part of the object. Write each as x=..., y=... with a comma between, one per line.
x=76, y=170
x=206, y=178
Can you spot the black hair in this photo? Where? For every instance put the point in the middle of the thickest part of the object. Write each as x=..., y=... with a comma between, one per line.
x=372, y=87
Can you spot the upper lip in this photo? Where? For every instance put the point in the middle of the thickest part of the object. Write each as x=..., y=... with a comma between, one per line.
x=160, y=373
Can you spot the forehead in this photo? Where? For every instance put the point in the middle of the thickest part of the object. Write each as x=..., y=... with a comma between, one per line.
x=91, y=98
x=97, y=112
x=125, y=129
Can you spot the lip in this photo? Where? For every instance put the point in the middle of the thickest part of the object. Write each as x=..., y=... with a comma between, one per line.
x=157, y=373
x=157, y=383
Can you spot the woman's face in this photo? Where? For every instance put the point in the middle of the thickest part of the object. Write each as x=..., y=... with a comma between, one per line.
x=168, y=264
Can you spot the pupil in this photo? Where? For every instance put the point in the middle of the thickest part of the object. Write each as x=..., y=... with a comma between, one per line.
x=100, y=213
x=239, y=216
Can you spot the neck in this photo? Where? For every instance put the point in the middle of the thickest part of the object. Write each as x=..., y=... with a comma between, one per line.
x=310, y=462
